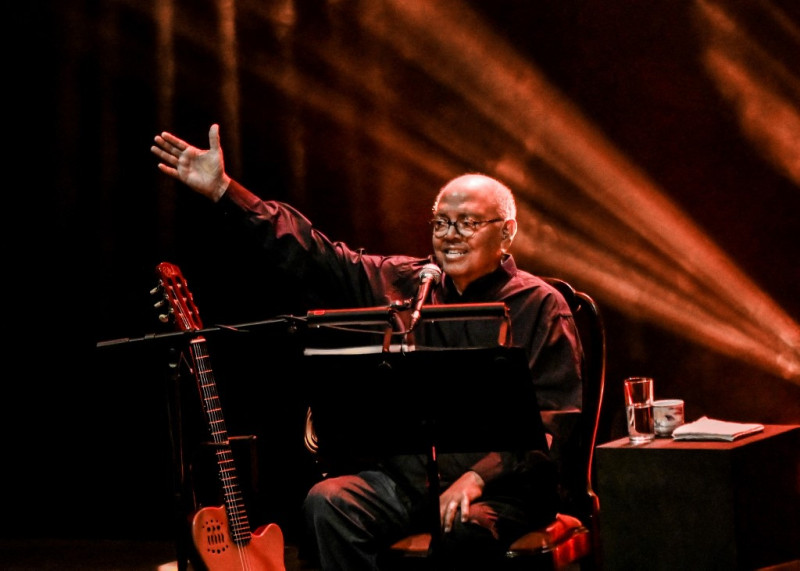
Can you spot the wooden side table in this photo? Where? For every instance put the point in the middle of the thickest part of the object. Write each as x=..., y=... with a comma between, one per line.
x=699, y=504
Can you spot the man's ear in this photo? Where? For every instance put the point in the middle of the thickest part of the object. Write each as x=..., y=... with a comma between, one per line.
x=509, y=229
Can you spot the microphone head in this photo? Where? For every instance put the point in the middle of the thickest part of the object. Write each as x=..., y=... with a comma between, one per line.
x=431, y=272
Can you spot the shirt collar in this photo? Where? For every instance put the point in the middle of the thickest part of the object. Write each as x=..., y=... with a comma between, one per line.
x=480, y=288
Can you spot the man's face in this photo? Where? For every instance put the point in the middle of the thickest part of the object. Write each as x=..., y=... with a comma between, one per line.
x=467, y=259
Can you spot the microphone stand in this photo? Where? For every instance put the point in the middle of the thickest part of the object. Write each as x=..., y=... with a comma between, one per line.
x=180, y=335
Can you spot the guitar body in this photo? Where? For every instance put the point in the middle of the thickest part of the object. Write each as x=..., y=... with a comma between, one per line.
x=212, y=538
x=221, y=535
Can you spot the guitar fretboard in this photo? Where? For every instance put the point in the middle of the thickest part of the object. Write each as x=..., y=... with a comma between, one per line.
x=234, y=501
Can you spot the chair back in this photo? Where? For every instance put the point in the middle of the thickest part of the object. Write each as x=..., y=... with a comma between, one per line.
x=578, y=463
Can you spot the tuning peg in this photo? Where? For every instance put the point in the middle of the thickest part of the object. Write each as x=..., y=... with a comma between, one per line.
x=154, y=291
x=159, y=303
x=163, y=318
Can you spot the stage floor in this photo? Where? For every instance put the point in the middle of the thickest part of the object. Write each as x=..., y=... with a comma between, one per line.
x=103, y=555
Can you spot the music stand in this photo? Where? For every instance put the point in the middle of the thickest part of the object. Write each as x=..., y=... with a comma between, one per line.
x=381, y=403
x=373, y=404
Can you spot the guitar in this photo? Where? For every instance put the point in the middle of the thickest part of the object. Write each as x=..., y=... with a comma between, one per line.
x=221, y=535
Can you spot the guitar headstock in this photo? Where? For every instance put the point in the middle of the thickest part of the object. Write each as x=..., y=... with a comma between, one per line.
x=182, y=310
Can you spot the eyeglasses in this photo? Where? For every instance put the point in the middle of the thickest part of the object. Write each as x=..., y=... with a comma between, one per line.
x=464, y=226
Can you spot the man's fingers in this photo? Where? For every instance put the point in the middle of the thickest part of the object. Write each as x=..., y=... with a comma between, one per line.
x=163, y=155
x=173, y=149
x=179, y=144
x=449, y=516
x=168, y=170
x=213, y=137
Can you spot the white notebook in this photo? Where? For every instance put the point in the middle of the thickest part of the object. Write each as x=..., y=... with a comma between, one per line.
x=706, y=428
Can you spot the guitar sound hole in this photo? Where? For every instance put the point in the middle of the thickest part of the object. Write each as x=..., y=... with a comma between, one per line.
x=216, y=538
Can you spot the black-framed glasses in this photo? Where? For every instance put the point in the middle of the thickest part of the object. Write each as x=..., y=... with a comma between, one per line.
x=464, y=226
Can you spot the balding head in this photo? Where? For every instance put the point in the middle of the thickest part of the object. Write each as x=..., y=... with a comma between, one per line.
x=500, y=193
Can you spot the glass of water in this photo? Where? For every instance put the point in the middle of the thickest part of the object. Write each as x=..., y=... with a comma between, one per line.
x=639, y=409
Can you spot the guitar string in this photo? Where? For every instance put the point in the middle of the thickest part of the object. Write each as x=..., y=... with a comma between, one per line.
x=237, y=518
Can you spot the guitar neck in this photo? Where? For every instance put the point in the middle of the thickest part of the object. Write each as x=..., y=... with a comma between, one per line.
x=234, y=500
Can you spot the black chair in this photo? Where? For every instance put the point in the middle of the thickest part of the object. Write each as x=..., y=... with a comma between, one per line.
x=572, y=540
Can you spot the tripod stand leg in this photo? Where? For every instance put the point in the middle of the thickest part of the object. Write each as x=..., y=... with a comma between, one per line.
x=433, y=492
x=181, y=488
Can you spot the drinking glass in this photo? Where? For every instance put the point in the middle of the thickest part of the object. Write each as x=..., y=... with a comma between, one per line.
x=639, y=409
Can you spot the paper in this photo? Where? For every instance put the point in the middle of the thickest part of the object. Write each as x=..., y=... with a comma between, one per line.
x=706, y=428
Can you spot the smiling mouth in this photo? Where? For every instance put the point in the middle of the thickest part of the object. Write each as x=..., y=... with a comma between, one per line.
x=452, y=254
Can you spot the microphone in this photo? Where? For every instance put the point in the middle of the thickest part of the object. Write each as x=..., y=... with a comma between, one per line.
x=430, y=275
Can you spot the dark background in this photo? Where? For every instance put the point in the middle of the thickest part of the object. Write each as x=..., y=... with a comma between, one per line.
x=89, y=216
